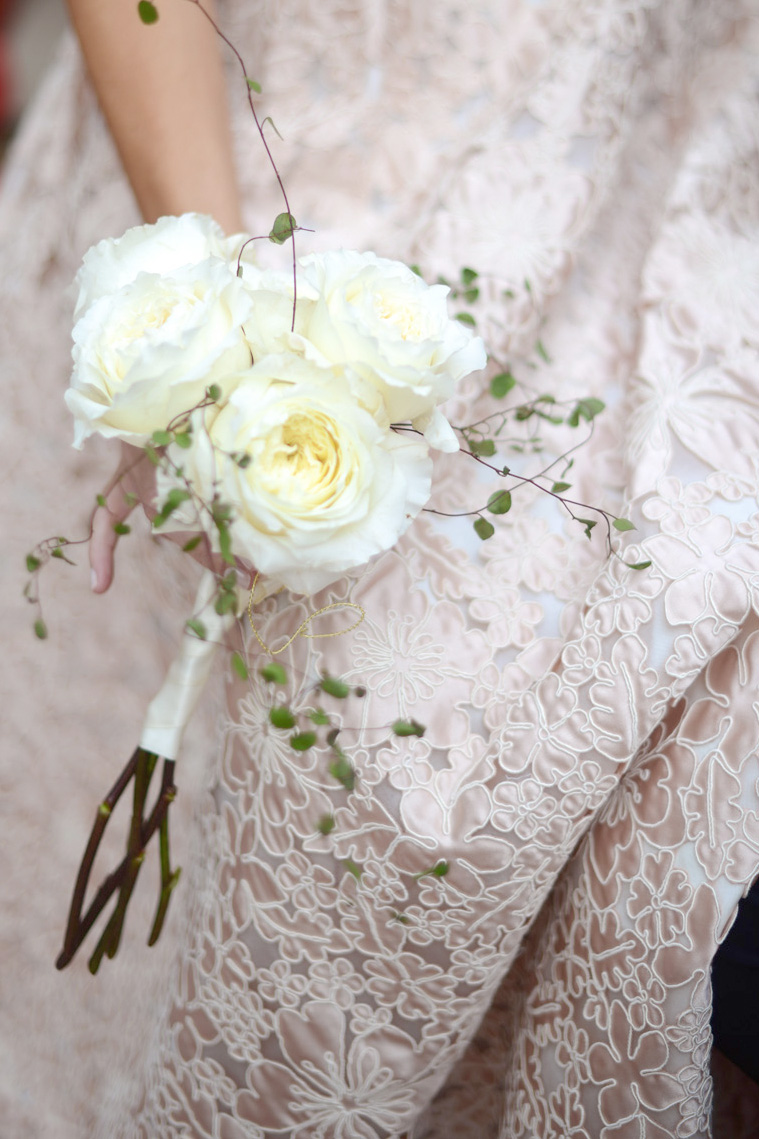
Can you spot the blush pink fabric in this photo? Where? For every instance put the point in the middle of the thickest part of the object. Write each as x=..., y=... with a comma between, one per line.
x=589, y=769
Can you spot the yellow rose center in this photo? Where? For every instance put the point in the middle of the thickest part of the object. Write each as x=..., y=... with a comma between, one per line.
x=300, y=461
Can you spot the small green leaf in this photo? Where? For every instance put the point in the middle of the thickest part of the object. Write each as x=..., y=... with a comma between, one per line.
x=558, y=487
x=183, y=439
x=415, y=269
x=57, y=553
x=282, y=717
x=174, y=499
x=197, y=627
x=192, y=543
x=588, y=523
x=225, y=602
x=283, y=229
x=274, y=673
x=269, y=119
x=541, y=351
x=439, y=870
x=326, y=824
x=161, y=438
x=352, y=868
x=303, y=741
x=243, y=461
x=586, y=409
x=343, y=771
x=332, y=736
x=623, y=524
x=100, y=499
x=254, y=86
x=484, y=529
x=401, y=918
x=213, y=392
x=471, y=295
x=638, y=565
x=482, y=447
x=152, y=455
x=466, y=318
x=468, y=276
x=121, y=528
x=408, y=728
x=319, y=717
x=239, y=666
x=502, y=384
x=130, y=499
x=40, y=629
x=147, y=11
x=32, y=563
x=499, y=502
x=225, y=543
x=334, y=687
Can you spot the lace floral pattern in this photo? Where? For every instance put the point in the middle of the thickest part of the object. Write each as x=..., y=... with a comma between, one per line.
x=589, y=769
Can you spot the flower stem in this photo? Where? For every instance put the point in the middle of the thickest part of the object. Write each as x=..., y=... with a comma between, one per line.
x=140, y=768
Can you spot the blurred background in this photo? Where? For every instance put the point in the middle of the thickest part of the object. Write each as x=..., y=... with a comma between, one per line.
x=29, y=34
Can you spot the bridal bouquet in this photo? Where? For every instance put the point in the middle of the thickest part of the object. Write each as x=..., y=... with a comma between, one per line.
x=292, y=417
x=290, y=420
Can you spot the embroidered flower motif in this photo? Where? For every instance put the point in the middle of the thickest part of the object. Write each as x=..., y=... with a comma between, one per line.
x=280, y=985
x=232, y=1004
x=335, y=981
x=707, y=278
x=327, y=1086
x=658, y=898
x=677, y=397
x=409, y=985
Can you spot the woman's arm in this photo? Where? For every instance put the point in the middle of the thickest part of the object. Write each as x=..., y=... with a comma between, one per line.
x=162, y=90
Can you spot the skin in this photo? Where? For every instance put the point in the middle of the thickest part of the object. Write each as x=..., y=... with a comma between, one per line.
x=162, y=91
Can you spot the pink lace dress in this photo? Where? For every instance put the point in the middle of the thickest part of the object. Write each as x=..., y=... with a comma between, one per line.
x=589, y=770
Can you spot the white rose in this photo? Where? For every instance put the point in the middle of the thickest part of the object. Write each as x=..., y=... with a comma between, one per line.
x=326, y=488
x=147, y=353
x=380, y=318
x=170, y=244
x=270, y=329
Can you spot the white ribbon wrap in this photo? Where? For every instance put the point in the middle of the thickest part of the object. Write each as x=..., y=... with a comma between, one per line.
x=170, y=710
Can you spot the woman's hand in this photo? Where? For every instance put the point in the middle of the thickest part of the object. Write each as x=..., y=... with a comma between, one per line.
x=133, y=481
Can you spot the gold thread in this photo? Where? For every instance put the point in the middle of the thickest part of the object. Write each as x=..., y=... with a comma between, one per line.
x=300, y=631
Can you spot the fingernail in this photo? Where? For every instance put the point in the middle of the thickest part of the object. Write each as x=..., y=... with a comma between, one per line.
x=93, y=579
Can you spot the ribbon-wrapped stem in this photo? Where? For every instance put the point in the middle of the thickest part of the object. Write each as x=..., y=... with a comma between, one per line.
x=165, y=723
x=139, y=770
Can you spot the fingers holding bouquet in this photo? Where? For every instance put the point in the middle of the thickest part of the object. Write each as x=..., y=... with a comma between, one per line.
x=126, y=488
x=134, y=484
